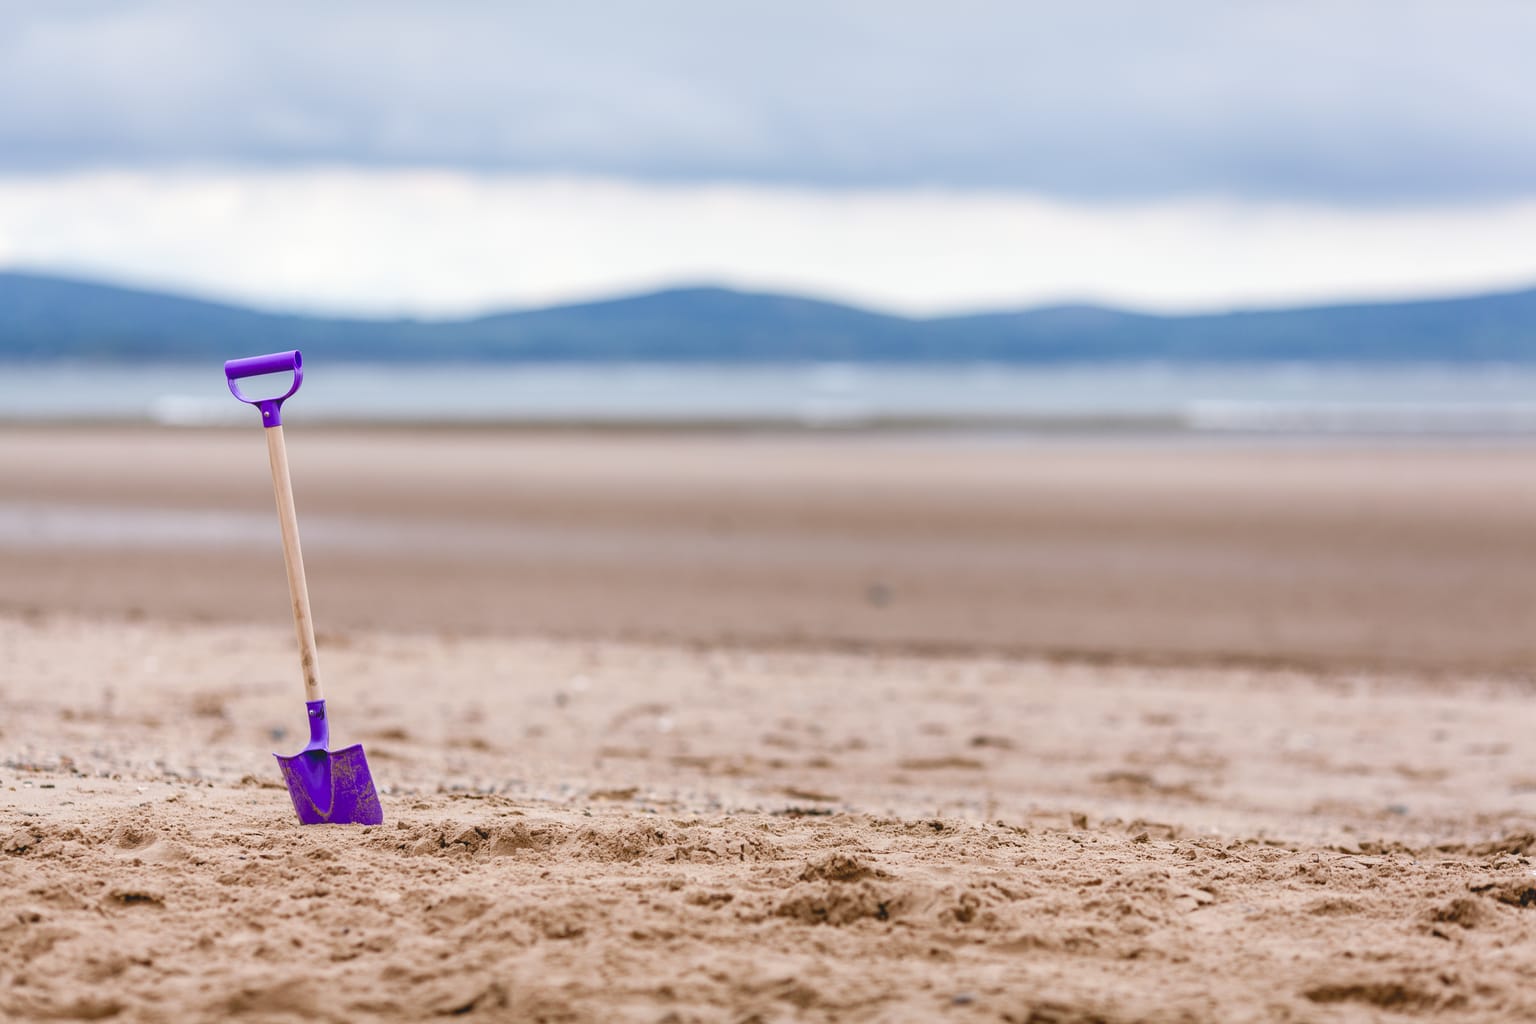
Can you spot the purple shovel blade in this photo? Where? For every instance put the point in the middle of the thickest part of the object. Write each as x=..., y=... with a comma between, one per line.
x=330, y=786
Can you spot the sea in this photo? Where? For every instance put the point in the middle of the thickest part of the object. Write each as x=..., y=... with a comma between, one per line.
x=1481, y=400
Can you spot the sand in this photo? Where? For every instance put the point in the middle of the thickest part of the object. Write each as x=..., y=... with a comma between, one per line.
x=1275, y=770
x=1277, y=553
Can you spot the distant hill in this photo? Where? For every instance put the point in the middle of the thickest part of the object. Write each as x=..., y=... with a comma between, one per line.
x=43, y=318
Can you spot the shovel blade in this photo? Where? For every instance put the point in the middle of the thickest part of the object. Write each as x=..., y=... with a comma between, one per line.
x=332, y=787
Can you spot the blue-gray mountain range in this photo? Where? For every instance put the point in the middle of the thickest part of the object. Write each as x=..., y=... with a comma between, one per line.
x=44, y=318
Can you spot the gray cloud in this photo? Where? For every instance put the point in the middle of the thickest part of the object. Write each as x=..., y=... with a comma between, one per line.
x=1348, y=101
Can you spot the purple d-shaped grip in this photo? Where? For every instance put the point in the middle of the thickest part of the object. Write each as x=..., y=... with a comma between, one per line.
x=255, y=366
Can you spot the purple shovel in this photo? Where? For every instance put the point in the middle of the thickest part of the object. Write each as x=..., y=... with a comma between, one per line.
x=326, y=785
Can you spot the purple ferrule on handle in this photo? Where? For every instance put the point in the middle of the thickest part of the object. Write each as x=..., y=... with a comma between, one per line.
x=319, y=728
x=255, y=366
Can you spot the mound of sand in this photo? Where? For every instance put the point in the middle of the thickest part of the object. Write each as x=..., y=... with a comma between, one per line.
x=215, y=905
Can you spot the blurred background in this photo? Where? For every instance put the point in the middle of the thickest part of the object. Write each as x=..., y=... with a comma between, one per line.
x=1189, y=329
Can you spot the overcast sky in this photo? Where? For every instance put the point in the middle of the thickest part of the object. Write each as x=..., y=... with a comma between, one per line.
x=972, y=136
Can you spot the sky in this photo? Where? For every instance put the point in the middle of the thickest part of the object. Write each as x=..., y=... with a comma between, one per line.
x=455, y=157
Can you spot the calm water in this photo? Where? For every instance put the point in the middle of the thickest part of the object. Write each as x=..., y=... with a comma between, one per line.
x=1215, y=399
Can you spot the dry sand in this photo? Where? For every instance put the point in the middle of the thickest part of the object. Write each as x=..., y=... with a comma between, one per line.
x=697, y=730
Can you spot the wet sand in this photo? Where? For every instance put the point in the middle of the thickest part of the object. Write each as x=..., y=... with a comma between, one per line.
x=760, y=729
x=1282, y=554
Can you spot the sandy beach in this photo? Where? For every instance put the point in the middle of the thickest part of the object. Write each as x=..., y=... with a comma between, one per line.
x=1261, y=552
x=760, y=728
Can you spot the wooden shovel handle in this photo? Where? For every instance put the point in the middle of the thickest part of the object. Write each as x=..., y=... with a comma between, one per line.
x=298, y=589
